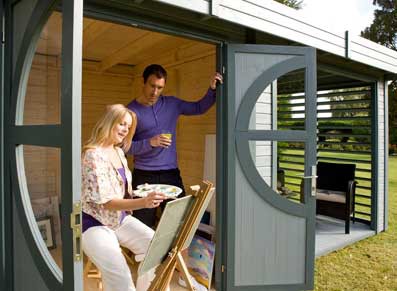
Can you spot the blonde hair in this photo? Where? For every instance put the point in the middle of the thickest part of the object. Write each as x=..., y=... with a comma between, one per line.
x=103, y=128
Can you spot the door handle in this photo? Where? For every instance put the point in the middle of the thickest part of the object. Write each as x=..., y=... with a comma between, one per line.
x=313, y=177
x=308, y=177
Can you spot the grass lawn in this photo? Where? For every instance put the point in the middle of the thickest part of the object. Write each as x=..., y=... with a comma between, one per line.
x=370, y=264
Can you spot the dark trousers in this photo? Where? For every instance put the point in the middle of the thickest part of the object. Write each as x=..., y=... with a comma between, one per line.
x=170, y=177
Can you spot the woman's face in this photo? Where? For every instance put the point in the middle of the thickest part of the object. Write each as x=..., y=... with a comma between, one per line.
x=121, y=129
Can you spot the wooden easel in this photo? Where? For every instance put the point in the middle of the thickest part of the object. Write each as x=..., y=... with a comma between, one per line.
x=174, y=259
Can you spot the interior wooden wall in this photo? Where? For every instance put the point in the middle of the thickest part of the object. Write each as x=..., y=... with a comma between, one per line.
x=190, y=69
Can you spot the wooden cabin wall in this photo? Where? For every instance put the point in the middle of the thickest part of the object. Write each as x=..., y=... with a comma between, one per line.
x=194, y=78
x=100, y=90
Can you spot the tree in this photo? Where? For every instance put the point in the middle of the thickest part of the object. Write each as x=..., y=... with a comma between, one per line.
x=383, y=30
x=384, y=27
x=296, y=4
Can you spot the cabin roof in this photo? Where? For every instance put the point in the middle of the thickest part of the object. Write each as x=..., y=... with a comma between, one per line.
x=281, y=21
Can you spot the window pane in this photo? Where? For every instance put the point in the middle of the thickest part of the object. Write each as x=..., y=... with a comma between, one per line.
x=43, y=183
x=281, y=166
x=42, y=99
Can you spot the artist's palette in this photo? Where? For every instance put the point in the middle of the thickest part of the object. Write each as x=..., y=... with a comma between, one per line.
x=168, y=190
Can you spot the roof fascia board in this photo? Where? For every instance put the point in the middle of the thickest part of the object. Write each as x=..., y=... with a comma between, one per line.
x=363, y=50
x=200, y=6
x=277, y=19
x=338, y=71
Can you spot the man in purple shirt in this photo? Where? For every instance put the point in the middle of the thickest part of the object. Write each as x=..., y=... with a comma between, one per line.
x=155, y=156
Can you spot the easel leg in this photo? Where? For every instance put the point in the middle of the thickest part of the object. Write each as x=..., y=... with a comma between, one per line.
x=162, y=274
x=184, y=271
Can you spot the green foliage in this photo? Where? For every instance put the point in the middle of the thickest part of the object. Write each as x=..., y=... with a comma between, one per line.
x=383, y=30
x=384, y=27
x=345, y=108
x=296, y=4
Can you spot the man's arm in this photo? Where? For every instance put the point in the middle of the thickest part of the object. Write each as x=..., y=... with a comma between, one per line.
x=140, y=147
x=143, y=146
x=198, y=107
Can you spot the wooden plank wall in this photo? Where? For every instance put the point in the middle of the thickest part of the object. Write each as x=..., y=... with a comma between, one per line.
x=381, y=195
x=263, y=149
x=100, y=90
x=189, y=78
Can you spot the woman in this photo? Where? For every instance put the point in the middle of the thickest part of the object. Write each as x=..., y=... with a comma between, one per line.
x=106, y=180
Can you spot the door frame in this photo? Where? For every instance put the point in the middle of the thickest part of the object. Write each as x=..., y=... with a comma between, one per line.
x=145, y=23
x=65, y=136
x=5, y=242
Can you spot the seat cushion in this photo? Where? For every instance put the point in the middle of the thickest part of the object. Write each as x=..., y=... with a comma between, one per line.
x=330, y=195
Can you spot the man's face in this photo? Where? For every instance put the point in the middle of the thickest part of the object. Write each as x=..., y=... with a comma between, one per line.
x=152, y=89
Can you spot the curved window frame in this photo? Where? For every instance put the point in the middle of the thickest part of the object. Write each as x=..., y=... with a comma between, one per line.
x=243, y=134
x=30, y=217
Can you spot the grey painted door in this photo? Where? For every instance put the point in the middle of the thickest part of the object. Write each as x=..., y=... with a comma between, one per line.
x=43, y=140
x=269, y=228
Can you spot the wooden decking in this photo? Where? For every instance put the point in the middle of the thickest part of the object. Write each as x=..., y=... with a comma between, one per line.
x=330, y=234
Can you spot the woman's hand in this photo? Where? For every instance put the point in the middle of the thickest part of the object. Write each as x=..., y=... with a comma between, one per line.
x=153, y=199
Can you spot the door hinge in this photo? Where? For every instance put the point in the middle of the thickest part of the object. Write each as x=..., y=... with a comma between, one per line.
x=75, y=224
x=223, y=69
x=222, y=268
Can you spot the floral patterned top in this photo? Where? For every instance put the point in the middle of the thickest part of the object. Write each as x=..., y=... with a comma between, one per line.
x=102, y=182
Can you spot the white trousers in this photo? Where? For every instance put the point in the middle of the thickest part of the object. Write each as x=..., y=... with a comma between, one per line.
x=102, y=245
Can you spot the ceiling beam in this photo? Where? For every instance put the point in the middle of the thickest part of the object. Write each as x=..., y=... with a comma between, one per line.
x=169, y=50
x=93, y=31
x=182, y=53
x=147, y=41
x=137, y=71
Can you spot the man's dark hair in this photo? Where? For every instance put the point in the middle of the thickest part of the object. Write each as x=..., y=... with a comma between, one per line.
x=156, y=70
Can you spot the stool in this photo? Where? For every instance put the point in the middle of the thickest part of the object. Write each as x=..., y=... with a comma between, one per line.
x=92, y=272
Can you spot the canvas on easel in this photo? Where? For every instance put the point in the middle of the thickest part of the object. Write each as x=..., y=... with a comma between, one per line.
x=173, y=216
x=175, y=234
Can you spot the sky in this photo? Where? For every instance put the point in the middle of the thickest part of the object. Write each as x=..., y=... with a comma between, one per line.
x=339, y=15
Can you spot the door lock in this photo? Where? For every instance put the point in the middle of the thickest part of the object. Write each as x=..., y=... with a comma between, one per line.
x=75, y=224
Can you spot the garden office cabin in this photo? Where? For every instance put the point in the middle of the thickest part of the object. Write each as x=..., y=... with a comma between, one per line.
x=294, y=94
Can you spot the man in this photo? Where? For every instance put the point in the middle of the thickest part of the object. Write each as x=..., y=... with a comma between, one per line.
x=155, y=157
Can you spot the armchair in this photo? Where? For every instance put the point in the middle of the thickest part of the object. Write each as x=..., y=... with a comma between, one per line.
x=336, y=189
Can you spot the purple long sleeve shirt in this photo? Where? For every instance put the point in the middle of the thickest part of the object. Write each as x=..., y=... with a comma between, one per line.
x=155, y=119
